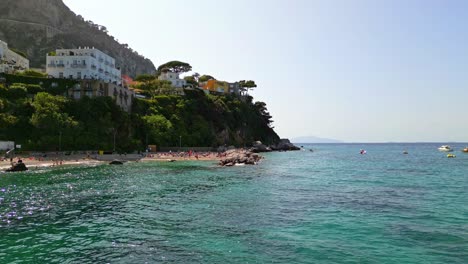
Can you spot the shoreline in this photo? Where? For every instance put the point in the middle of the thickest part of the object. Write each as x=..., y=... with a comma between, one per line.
x=56, y=161
x=47, y=163
x=50, y=160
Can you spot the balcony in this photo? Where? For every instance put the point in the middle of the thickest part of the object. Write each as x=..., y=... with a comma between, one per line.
x=52, y=65
x=78, y=65
x=60, y=65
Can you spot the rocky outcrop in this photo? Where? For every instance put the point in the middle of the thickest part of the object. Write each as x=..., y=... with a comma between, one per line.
x=116, y=162
x=259, y=147
x=40, y=26
x=239, y=157
x=285, y=145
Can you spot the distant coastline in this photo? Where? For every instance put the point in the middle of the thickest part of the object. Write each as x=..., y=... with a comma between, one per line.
x=314, y=140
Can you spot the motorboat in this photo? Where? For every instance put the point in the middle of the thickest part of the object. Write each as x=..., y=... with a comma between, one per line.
x=445, y=148
x=451, y=156
x=465, y=150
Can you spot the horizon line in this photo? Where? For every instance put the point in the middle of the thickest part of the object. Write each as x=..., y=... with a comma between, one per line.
x=389, y=142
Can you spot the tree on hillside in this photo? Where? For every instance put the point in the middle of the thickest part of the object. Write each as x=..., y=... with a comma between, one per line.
x=247, y=85
x=175, y=66
x=205, y=78
x=49, y=113
x=145, y=78
x=191, y=80
x=158, y=128
x=154, y=87
x=262, y=109
x=196, y=76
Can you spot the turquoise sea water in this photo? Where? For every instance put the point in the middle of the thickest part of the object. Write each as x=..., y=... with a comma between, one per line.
x=327, y=206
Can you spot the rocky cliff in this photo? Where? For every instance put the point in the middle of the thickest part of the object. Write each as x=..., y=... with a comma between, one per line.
x=40, y=26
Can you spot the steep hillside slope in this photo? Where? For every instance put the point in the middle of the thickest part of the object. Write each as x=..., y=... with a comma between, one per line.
x=39, y=26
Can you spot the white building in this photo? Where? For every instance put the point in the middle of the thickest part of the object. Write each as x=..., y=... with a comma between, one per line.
x=83, y=64
x=173, y=78
x=10, y=61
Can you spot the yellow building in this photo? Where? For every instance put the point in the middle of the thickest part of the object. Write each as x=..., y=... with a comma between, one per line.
x=221, y=87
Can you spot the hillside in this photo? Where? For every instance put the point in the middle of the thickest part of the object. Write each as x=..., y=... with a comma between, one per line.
x=36, y=115
x=39, y=26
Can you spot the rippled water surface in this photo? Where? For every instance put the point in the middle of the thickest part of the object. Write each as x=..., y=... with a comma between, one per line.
x=327, y=206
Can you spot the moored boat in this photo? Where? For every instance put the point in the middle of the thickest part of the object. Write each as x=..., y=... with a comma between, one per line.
x=445, y=148
x=451, y=156
x=465, y=150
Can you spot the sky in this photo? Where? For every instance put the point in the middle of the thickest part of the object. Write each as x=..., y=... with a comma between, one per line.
x=353, y=70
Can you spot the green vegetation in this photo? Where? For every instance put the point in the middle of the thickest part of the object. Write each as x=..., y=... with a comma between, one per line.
x=36, y=113
x=191, y=80
x=202, y=120
x=151, y=86
x=53, y=86
x=205, y=78
x=175, y=66
x=32, y=73
x=19, y=52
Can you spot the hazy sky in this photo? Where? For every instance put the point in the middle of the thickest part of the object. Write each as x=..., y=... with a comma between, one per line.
x=354, y=70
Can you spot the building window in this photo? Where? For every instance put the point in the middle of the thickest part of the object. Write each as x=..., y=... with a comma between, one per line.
x=78, y=75
x=60, y=74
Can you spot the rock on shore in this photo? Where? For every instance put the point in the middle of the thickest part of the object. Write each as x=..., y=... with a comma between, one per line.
x=259, y=147
x=283, y=145
x=238, y=157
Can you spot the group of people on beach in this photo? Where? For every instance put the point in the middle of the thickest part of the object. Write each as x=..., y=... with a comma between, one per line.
x=185, y=155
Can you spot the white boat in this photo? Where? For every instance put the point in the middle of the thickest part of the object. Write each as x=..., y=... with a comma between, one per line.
x=445, y=148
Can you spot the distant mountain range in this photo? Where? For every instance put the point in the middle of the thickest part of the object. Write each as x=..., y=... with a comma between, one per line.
x=312, y=139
